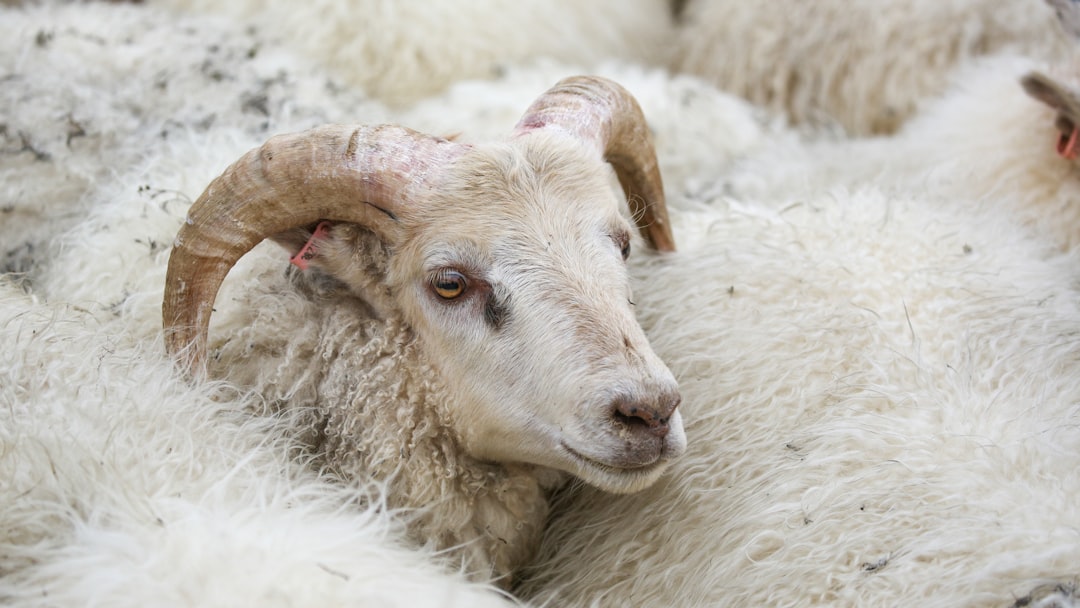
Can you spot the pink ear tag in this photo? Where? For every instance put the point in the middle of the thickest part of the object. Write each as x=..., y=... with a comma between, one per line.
x=1066, y=146
x=311, y=247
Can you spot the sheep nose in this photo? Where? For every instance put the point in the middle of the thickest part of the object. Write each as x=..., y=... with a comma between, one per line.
x=650, y=416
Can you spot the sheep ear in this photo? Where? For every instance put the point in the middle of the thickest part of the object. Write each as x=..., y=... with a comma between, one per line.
x=1056, y=95
x=296, y=239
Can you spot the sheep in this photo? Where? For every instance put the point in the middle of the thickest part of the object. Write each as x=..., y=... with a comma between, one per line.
x=472, y=335
x=403, y=52
x=813, y=333
x=125, y=486
x=131, y=212
x=863, y=66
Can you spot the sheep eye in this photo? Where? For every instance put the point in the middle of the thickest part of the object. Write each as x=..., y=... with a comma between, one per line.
x=448, y=284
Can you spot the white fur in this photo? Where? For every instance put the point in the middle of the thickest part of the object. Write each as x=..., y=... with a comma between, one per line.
x=874, y=342
x=88, y=92
x=880, y=338
x=124, y=486
x=881, y=398
x=983, y=144
x=403, y=51
x=123, y=242
x=864, y=65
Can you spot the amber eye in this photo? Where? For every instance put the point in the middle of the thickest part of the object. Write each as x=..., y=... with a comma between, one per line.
x=448, y=284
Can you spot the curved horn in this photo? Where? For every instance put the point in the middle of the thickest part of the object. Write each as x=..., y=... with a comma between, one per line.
x=340, y=173
x=599, y=111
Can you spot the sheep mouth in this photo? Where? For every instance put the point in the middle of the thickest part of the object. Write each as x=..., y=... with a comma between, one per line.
x=615, y=476
x=614, y=466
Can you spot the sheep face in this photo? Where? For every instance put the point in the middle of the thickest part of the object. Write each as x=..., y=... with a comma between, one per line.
x=527, y=315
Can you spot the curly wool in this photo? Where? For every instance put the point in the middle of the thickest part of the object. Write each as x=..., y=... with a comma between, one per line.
x=375, y=409
x=983, y=144
x=88, y=91
x=882, y=396
x=390, y=419
x=401, y=52
x=126, y=486
x=864, y=65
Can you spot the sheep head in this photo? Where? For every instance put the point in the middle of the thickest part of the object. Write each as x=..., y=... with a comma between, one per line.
x=507, y=259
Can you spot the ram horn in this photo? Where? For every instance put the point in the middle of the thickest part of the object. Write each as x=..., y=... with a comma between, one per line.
x=603, y=113
x=357, y=174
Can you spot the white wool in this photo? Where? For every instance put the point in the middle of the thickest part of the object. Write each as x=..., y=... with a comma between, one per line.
x=403, y=51
x=864, y=65
x=882, y=400
x=125, y=486
x=123, y=239
x=874, y=343
x=877, y=362
x=696, y=129
x=88, y=92
x=126, y=490
x=984, y=144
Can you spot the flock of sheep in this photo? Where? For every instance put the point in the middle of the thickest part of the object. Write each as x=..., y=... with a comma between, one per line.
x=830, y=359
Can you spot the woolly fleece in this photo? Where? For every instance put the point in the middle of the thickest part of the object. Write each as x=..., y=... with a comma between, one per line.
x=284, y=341
x=883, y=405
x=401, y=52
x=125, y=486
x=985, y=145
x=879, y=380
x=863, y=65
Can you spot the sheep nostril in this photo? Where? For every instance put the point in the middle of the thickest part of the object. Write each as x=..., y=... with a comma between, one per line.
x=642, y=417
